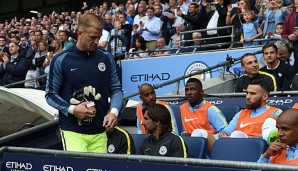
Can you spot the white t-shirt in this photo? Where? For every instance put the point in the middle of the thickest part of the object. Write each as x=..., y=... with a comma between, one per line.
x=105, y=37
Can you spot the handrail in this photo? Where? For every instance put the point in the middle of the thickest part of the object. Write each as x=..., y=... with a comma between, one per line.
x=203, y=30
x=224, y=95
x=182, y=47
x=232, y=43
x=21, y=82
x=155, y=159
x=232, y=35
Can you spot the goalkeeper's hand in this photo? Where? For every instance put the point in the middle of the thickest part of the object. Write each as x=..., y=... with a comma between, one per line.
x=82, y=112
x=85, y=106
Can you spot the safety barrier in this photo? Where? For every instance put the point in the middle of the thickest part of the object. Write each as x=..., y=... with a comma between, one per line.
x=205, y=47
x=28, y=80
x=16, y=158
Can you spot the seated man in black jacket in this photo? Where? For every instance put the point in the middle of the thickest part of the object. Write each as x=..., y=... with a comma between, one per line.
x=283, y=73
x=14, y=67
x=120, y=141
x=161, y=142
x=250, y=64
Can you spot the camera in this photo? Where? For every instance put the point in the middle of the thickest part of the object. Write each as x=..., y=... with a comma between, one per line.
x=234, y=5
x=51, y=49
x=123, y=26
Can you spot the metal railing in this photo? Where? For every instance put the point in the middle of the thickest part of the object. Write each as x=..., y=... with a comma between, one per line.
x=229, y=95
x=152, y=159
x=24, y=81
x=232, y=36
x=207, y=47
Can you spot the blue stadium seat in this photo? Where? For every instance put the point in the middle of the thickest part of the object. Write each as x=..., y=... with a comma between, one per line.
x=229, y=111
x=138, y=140
x=177, y=114
x=283, y=107
x=238, y=71
x=238, y=149
x=196, y=147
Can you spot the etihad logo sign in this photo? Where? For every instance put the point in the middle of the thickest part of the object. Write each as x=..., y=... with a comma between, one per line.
x=276, y=102
x=197, y=66
x=150, y=77
x=18, y=166
x=57, y=168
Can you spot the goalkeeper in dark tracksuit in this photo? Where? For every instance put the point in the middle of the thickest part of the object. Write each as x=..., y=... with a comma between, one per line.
x=84, y=65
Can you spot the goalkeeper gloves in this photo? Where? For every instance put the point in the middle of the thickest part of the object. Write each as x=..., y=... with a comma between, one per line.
x=87, y=93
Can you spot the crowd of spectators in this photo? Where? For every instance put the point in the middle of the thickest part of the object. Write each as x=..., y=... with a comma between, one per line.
x=148, y=28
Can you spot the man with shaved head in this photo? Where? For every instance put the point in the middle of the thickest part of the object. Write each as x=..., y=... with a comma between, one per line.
x=148, y=96
x=285, y=151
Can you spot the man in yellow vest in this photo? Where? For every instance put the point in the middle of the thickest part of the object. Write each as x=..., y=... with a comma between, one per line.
x=148, y=96
x=285, y=151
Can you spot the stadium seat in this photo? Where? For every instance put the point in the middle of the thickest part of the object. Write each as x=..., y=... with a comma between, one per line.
x=138, y=140
x=196, y=147
x=177, y=114
x=229, y=111
x=238, y=149
x=283, y=107
x=238, y=71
